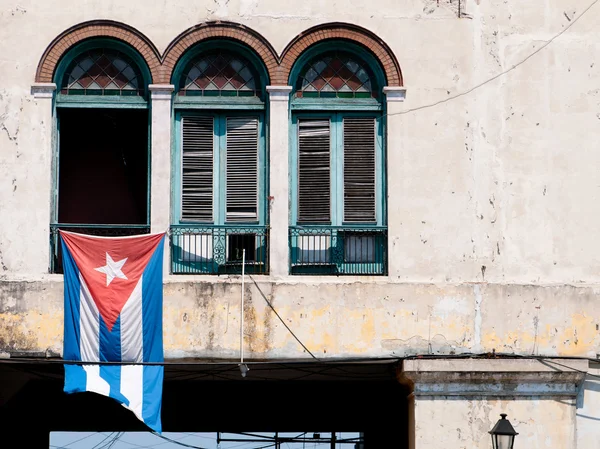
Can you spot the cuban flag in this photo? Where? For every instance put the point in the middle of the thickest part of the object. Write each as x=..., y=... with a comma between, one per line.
x=113, y=313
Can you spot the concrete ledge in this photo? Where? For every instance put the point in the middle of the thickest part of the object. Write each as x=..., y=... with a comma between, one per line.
x=43, y=90
x=495, y=377
x=279, y=93
x=394, y=93
x=161, y=91
x=364, y=319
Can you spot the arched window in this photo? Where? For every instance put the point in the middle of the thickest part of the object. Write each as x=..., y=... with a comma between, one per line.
x=221, y=73
x=102, y=71
x=338, y=188
x=336, y=75
x=101, y=173
x=220, y=189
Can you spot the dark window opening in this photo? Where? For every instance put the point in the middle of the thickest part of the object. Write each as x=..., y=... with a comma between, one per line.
x=103, y=166
x=238, y=243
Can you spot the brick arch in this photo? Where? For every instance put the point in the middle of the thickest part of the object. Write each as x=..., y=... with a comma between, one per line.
x=342, y=31
x=96, y=28
x=219, y=30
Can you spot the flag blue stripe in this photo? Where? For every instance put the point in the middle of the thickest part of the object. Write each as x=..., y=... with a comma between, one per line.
x=75, y=379
x=112, y=375
x=110, y=341
x=153, y=383
x=110, y=351
x=152, y=298
x=72, y=286
x=152, y=284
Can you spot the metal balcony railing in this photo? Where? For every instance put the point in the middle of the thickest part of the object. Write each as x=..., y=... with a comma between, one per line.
x=339, y=250
x=89, y=229
x=219, y=249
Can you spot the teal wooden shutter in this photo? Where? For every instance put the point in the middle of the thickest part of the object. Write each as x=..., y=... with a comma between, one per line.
x=197, y=169
x=314, y=174
x=242, y=169
x=359, y=170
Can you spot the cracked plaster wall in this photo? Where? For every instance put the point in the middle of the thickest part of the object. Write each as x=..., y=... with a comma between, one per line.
x=464, y=422
x=491, y=195
x=201, y=319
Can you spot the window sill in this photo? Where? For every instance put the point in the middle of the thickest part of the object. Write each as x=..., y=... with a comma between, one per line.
x=100, y=101
x=182, y=102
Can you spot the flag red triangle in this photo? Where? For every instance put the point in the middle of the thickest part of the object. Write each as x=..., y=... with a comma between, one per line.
x=111, y=267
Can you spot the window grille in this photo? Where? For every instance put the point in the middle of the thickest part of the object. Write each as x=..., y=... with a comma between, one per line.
x=102, y=72
x=219, y=74
x=359, y=170
x=314, y=185
x=197, y=169
x=242, y=169
x=336, y=75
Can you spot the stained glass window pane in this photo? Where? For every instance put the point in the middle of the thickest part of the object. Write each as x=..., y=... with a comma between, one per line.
x=221, y=73
x=102, y=71
x=339, y=74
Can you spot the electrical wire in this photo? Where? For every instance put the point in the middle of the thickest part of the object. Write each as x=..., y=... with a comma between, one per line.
x=114, y=440
x=76, y=441
x=170, y=440
x=99, y=445
x=495, y=77
x=281, y=319
x=551, y=361
x=275, y=365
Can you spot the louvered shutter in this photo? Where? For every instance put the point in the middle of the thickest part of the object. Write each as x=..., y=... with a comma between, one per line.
x=197, y=169
x=242, y=169
x=359, y=170
x=314, y=189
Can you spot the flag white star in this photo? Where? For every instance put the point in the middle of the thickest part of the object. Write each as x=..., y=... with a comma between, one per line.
x=112, y=269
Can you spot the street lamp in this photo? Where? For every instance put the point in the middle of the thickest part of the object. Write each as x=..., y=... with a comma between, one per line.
x=503, y=434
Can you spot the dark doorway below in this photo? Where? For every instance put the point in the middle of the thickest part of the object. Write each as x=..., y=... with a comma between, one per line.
x=371, y=402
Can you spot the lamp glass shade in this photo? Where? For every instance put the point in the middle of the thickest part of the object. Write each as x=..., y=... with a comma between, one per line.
x=503, y=441
x=503, y=434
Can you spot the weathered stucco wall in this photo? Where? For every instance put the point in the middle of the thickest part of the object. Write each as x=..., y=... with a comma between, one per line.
x=366, y=319
x=456, y=402
x=463, y=422
x=492, y=210
x=483, y=180
x=491, y=197
x=588, y=410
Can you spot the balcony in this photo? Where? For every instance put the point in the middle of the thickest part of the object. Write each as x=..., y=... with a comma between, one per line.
x=89, y=229
x=219, y=249
x=338, y=250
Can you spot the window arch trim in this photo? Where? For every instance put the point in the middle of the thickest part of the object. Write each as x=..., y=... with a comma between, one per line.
x=137, y=101
x=222, y=102
x=322, y=48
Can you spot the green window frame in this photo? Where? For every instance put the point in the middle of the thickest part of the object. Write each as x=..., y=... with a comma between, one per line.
x=115, y=99
x=352, y=238
x=213, y=244
x=219, y=167
x=336, y=163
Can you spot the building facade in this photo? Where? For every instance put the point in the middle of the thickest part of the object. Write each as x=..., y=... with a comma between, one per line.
x=407, y=183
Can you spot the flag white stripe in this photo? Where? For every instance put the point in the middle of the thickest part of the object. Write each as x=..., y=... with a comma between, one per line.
x=132, y=341
x=89, y=340
x=94, y=382
x=132, y=387
x=89, y=325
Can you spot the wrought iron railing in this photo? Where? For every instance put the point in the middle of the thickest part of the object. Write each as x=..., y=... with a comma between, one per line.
x=89, y=229
x=339, y=250
x=219, y=249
